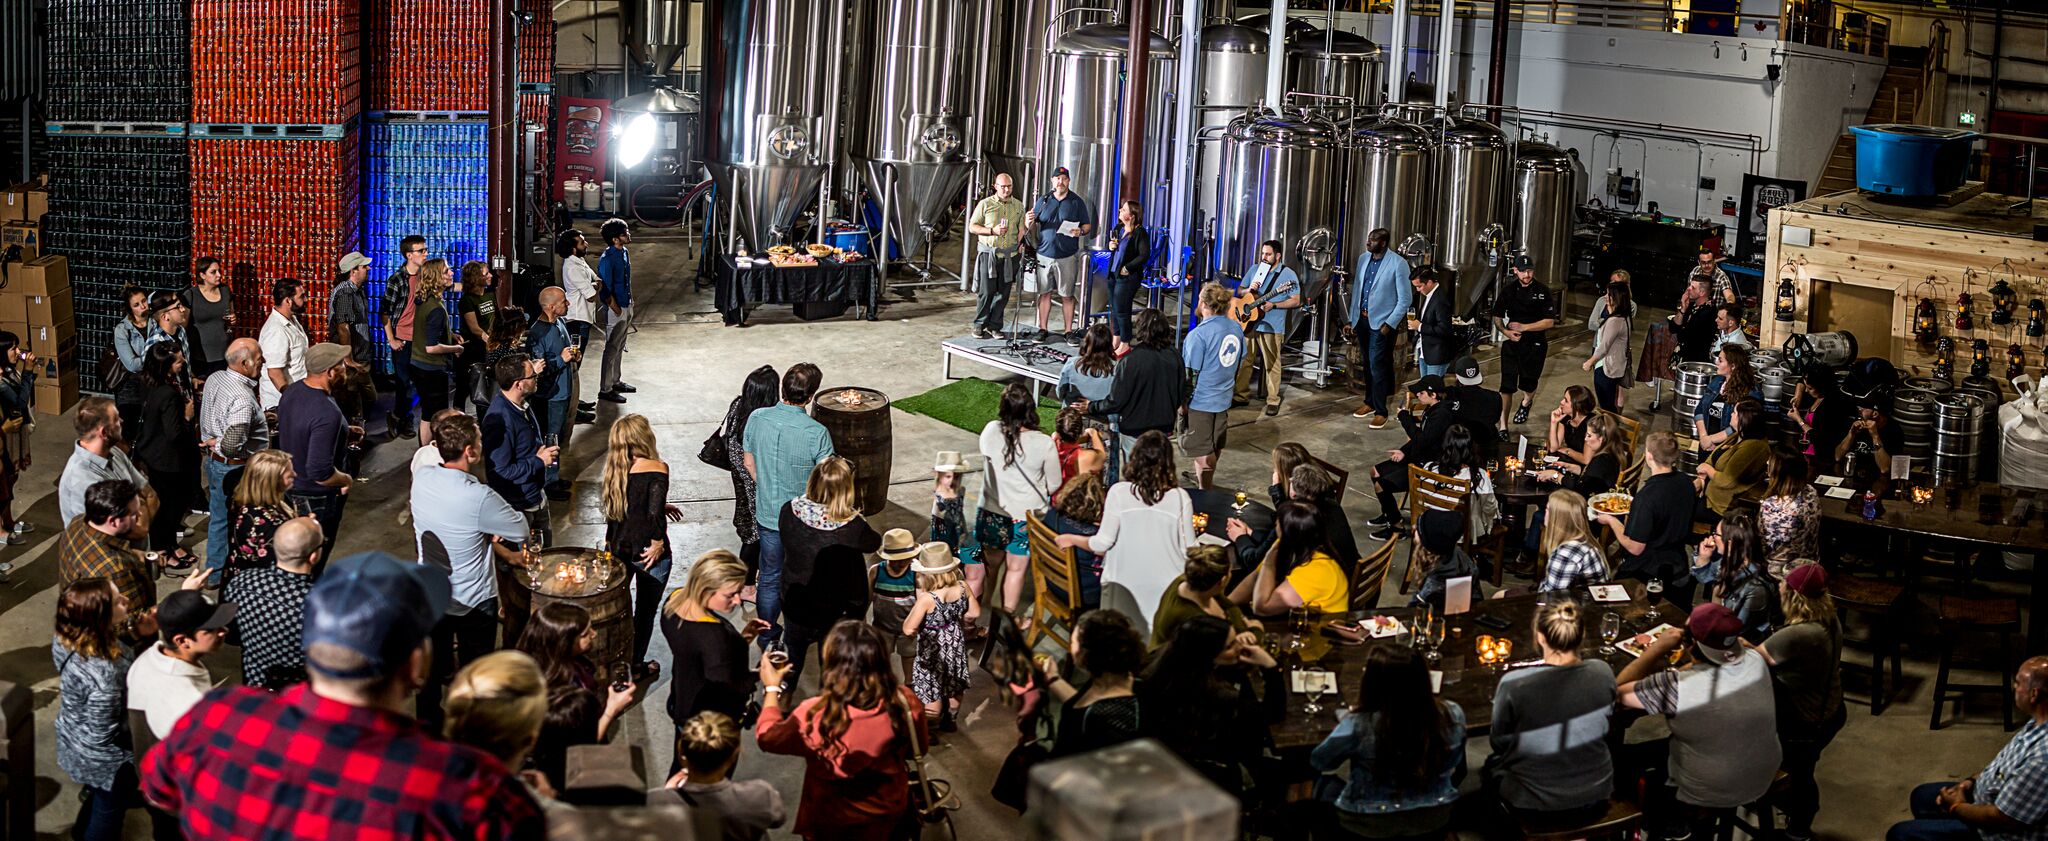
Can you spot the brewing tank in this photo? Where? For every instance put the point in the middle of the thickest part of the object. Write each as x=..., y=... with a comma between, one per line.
x=1389, y=183
x=1282, y=179
x=1471, y=188
x=772, y=141
x=1233, y=80
x=1084, y=127
x=1020, y=62
x=912, y=144
x=1542, y=216
x=1335, y=63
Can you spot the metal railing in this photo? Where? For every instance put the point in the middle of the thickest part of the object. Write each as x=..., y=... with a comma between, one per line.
x=1843, y=27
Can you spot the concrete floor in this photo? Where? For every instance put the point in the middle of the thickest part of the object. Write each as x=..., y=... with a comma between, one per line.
x=688, y=367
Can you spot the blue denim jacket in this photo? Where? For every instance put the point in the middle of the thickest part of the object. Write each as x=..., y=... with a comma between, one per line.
x=1365, y=795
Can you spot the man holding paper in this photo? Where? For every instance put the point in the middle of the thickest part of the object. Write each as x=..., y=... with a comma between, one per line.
x=1061, y=218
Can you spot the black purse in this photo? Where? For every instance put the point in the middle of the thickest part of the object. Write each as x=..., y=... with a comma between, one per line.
x=714, y=451
x=113, y=375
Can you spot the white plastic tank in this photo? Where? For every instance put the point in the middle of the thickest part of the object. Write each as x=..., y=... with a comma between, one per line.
x=610, y=192
x=593, y=196
x=572, y=192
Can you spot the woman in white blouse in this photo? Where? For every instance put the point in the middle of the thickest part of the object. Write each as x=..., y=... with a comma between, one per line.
x=1147, y=526
x=1023, y=473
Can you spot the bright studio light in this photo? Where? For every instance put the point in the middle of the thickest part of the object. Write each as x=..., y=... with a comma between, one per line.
x=636, y=140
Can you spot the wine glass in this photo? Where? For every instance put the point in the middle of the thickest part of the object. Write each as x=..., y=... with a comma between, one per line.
x=1610, y=630
x=1315, y=693
x=1655, y=590
x=1297, y=619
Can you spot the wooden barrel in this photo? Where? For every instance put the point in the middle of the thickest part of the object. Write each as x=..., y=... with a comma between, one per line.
x=611, y=608
x=858, y=421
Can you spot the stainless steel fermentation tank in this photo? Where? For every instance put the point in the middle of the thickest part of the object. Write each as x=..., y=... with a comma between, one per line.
x=776, y=136
x=1471, y=192
x=1389, y=187
x=1544, y=178
x=1083, y=120
x=1282, y=179
x=1233, y=80
x=1021, y=63
x=914, y=142
x=1336, y=63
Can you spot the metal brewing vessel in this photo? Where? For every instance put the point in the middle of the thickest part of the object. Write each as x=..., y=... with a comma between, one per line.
x=1233, y=80
x=913, y=144
x=1542, y=218
x=1019, y=64
x=1336, y=63
x=772, y=141
x=1282, y=179
x=1085, y=125
x=1389, y=183
x=1472, y=192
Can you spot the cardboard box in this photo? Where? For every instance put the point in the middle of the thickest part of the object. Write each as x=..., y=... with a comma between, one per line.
x=56, y=395
x=47, y=310
x=28, y=237
x=14, y=308
x=50, y=341
x=18, y=328
x=23, y=203
x=49, y=274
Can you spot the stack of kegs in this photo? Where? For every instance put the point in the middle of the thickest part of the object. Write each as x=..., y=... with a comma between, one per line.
x=1913, y=411
x=1692, y=385
x=1993, y=395
x=1958, y=434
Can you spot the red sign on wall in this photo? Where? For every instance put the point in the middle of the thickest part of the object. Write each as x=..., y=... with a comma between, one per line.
x=580, y=141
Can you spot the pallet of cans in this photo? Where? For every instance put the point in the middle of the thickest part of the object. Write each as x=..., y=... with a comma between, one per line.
x=126, y=61
x=120, y=214
x=537, y=47
x=428, y=55
x=276, y=61
x=274, y=209
x=426, y=178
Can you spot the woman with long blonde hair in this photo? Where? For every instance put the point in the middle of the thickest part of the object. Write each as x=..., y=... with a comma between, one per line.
x=636, y=517
x=710, y=670
x=825, y=544
x=1574, y=556
x=260, y=507
x=435, y=344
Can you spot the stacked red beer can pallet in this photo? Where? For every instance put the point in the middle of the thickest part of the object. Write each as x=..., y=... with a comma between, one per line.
x=428, y=55
x=276, y=61
x=274, y=209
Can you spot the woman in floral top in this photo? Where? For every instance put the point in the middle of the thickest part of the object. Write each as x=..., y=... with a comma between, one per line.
x=260, y=508
x=1789, y=513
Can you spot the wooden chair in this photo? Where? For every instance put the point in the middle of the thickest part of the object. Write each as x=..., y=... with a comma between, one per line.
x=1342, y=476
x=1426, y=491
x=1631, y=431
x=1882, y=606
x=1371, y=576
x=1055, y=582
x=1958, y=616
x=1631, y=477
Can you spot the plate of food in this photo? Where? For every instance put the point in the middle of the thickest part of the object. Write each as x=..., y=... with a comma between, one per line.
x=781, y=250
x=1634, y=645
x=820, y=250
x=1382, y=626
x=1612, y=502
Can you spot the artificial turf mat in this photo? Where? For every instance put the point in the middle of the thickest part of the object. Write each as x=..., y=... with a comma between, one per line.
x=969, y=404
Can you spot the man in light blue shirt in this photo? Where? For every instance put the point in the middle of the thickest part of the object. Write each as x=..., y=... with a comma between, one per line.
x=458, y=521
x=782, y=444
x=1213, y=351
x=1279, y=289
x=1380, y=297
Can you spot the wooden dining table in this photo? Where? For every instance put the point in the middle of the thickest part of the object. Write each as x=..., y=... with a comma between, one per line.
x=1466, y=680
x=1982, y=513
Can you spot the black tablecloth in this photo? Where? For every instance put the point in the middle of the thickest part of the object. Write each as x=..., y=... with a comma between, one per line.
x=826, y=282
x=1216, y=503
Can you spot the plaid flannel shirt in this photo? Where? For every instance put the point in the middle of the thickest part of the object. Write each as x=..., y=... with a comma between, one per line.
x=2016, y=782
x=87, y=552
x=1573, y=564
x=248, y=764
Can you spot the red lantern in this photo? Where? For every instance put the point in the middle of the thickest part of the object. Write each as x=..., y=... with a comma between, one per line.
x=1963, y=320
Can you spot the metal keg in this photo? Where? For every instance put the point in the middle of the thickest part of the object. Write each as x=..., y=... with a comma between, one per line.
x=1958, y=433
x=1762, y=358
x=1913, y=411
x=1988, y=443
x=1692, y=385
x=1934, y=384
x=1777, y=386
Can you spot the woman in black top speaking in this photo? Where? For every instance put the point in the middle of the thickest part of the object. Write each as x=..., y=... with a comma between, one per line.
x=1132, y=252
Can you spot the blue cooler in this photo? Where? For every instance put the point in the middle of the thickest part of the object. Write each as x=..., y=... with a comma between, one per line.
x=848, y=238
x=1902, y=160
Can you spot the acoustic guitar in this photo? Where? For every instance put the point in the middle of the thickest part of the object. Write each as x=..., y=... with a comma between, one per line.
x=1244, y=306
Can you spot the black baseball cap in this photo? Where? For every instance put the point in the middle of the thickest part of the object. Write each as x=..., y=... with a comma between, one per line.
x=188, y=612
x=1522, y=261
x=1440, y=530
x=1467, y=370
x=1432, y=383
x=1061, y=172
x=376, y=606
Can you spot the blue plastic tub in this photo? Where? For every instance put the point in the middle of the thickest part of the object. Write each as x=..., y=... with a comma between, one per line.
x=1902, y=160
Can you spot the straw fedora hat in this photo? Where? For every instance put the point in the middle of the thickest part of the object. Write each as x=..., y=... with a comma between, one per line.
x=949, y=462
x=897, y=544
x=934, y=558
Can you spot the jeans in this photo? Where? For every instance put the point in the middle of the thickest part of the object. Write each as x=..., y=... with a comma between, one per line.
x=221, y=479
x=646, y=605
x=615, y=348
x=1123, y=291
x=552, y=414
x=402, y=394
x=1929, y=822
x=997, y=276
x=102, y=811
x=1428, y=369
x=1606, y=389
x=1379, y=360
x=797, y=641
x=326, y=509
x=458, y=641
x=768, y=589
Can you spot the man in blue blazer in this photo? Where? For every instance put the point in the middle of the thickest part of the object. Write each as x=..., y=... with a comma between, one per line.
x=1380, y=296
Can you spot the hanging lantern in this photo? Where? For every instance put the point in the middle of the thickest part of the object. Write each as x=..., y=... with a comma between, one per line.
x=2037, y=319
x=1963, y=319
x=1945, y=358
x=1980, y=358
x=1926, y=326
x=1788, y=299
x=2003, y=302
x=2015, y=362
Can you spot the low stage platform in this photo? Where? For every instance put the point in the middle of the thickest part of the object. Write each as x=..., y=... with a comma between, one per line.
x=1039, y=362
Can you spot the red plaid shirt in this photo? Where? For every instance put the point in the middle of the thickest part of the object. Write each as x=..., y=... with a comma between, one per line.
x=246, y=764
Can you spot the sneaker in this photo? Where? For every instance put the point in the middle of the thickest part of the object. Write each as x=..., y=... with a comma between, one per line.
x=587, y=405
x=623, y=387
x=1386, y=534
x=1043, y=335
x=586, y=417
x=1522, y=413
x=1504, y=436
x=1378, y=422
x=23, y=527
x=1072, y=337
x=1362, y=411
x=1272, y=409
x=611, y=397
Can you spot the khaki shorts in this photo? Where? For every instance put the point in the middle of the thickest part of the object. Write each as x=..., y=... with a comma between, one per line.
x=1206, y=433
x=1058, y=275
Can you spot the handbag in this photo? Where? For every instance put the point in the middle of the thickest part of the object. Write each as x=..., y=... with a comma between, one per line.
x=932, y=802
x=1012, y=785
x=113, y=374
x=482, y=384
x=714, y=451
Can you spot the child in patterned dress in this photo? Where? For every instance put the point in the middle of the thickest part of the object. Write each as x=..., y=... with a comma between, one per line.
x=944, y=607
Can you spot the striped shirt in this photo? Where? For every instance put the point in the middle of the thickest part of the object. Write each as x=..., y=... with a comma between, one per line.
x=1573, y=564
x=231, y=414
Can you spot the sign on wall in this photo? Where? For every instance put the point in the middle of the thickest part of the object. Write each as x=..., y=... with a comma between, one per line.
x=580, y=141
x=1759, y=195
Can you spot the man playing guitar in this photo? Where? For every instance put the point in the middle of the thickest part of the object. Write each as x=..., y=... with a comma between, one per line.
x=1262, y=299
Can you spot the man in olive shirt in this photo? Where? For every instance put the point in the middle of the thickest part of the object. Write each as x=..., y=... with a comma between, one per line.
x=997, y=223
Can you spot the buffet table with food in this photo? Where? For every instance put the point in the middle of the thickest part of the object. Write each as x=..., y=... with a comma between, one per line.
x=820, y=280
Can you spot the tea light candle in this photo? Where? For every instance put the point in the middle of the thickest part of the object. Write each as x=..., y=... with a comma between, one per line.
x=1923, y=495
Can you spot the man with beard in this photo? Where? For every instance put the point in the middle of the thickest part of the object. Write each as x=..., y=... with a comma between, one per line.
x=312, y=428
x=97, y=458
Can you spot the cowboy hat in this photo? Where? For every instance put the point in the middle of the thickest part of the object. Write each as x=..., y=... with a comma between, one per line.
x=934, y=558
x=949, y=462
x=897, y=544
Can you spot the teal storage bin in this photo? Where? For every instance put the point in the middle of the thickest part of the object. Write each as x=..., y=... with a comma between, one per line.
x=1903, y=160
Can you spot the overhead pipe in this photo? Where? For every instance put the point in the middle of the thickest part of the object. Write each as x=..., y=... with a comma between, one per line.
x=1136, y=71
x=1446, y=41
x=1276, y=53
x=1497, y=62
x=1397, y=52
x=1186, y=87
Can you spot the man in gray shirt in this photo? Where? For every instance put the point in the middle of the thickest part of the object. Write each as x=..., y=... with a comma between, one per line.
x=459, y=520
x=1721, y=709
x=231, y=429
x=97, y=458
